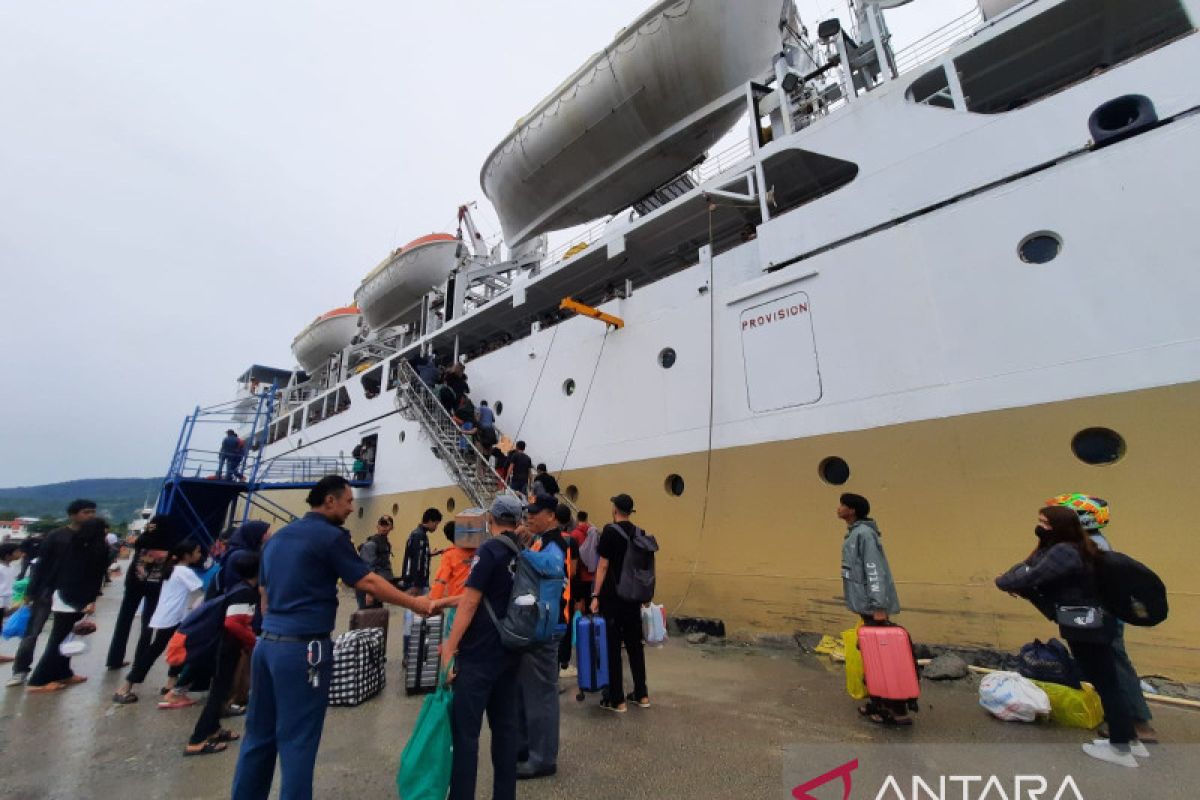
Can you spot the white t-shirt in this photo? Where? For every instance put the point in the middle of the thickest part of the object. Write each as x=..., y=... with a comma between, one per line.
x=8, y=576
x=173, y=602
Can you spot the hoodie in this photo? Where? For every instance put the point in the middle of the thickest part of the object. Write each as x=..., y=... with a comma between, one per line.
x=247, y=537
x=866, y=577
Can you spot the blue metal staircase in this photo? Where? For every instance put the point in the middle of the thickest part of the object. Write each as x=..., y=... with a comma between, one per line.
x=201, y=499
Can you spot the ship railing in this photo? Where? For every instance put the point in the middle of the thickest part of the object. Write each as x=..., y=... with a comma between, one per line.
x=467, y=464
x=938, y=41
x=306, y=469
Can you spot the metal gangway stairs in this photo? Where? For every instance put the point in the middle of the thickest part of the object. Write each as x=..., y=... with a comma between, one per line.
x=465, y=462
x=204, y=490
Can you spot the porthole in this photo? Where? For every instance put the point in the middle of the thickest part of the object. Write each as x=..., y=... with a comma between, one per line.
x=402, y=435
x=666, y=357
x=569, y=387
x=360, y=512
x=395, y=509
x=1040, y=248
x=1098, y=446
x=834, y=470
x=499, y=408
x=572, y=493
x=449, y=503
x=674, y=485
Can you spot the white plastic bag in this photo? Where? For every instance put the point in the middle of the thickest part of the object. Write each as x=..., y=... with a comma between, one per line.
x=654, y=624
x=1011, y=697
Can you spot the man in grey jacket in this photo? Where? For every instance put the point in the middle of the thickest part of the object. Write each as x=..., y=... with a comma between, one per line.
x=866, y=577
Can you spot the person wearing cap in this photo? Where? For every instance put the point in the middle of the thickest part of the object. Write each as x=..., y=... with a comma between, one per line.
x=228, y=458
x=292, y=663
x=1093, y=513
x=537, y=677
x=376, y=552
x=483, y=671
x=622, y=618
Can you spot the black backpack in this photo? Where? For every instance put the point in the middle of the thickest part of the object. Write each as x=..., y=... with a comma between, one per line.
x=1130, y=590
x=635, y=584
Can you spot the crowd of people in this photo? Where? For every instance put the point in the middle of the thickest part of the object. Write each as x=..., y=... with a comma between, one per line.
x=275, y=598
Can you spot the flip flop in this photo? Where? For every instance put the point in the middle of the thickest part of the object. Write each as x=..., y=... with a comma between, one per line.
x=167, y=705
x=124, y=699
x=225, y=735
x=207, y=749
x=47, y=688
x=75, y=680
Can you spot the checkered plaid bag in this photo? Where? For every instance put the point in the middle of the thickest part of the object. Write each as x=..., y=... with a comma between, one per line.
x=358, y=661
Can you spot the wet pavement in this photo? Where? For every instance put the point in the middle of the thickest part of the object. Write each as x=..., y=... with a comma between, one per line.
x=727, y=722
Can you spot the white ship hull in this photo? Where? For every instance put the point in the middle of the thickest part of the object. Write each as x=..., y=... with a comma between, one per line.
x=889, y=323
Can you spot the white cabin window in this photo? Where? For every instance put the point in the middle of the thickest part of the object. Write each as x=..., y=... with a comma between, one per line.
x=780, y=354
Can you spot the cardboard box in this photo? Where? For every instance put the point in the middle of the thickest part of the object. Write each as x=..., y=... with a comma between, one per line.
x=470, y=527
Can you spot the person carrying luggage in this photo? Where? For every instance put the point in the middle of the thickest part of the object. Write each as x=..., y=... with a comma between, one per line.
x=1060, y=579
x=292, y=664
x=622, y=617
x=482, y=670
x=868, y=588
x=1094, y=515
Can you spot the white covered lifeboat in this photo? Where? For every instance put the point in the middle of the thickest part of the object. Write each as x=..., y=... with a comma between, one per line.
x=629, y=119
x=324, y=336
x=397, y=284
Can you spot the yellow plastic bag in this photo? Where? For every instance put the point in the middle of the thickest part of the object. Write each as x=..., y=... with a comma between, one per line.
x=856, y=678
x=830, y=646
x=1074, y=708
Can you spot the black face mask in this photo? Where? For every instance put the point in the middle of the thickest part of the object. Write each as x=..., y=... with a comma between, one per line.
x=1042, y=533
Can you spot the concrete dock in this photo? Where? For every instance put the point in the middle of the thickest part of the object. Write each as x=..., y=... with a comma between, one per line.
x=727, y=722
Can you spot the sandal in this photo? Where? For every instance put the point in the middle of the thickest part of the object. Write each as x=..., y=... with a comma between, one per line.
x=225, y=735
x=208, y=748
x=166, y=705
x=124, y=699
x=642, y=702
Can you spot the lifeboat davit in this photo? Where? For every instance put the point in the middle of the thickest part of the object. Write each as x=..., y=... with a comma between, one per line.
x=397, y=284
x=324, y=336
x=612, y=132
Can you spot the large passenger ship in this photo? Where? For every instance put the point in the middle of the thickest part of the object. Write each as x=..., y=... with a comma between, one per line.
x=958, y=279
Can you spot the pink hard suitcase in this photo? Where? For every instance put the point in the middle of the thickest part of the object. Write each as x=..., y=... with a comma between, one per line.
x=888, y=662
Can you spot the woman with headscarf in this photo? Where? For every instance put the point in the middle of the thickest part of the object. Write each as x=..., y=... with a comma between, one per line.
x=1060, y=578
x=76, y=562
x=143, y=582
x=249, y=537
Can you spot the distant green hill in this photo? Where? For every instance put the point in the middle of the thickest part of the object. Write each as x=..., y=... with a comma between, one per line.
x=116, y=498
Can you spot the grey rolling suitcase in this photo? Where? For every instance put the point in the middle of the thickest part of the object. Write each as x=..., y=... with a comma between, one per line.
x=421, y=656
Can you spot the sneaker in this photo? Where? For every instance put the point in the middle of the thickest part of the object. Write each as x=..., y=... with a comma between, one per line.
x=17, y=679
x=1135, y=747
x=1106, y=751
x=607, y=706
x=568, y=671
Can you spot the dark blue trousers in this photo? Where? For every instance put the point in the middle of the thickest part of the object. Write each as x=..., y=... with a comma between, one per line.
x=481, y=686
x=285, y=719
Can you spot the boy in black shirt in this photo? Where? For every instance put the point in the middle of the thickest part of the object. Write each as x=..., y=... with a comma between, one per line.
x=623, y=619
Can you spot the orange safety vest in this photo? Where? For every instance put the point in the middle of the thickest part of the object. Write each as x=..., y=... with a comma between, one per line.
x=568, y=568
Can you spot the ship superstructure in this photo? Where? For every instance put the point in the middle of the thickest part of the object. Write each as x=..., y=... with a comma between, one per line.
x=957, y=280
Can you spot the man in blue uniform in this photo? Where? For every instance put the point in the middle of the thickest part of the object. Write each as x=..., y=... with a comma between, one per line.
x=485, y=676
x=293, y=661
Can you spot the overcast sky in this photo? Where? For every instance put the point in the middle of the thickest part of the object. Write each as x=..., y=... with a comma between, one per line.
x=185, y=185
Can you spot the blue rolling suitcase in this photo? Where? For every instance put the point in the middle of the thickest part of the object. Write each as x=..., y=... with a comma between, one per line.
x=591, y=654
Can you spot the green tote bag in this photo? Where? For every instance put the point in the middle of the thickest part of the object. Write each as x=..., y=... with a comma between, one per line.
x=424, y=772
